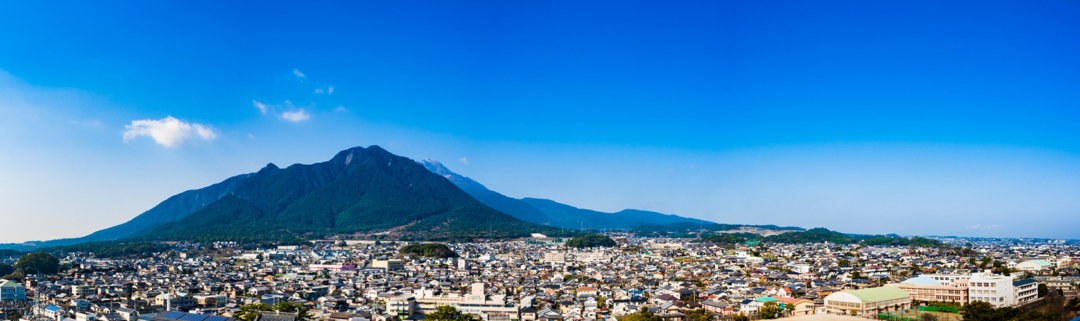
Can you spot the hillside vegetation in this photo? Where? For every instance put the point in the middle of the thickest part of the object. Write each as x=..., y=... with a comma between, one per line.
x=591, y=240
x=436, y=250
x=360, y=190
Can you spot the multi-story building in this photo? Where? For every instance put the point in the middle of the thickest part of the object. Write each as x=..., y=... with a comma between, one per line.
x=389, y=265
x=12, y=291
x=947, y=279
x=991, y=288
x=928, y=289
x=402, y=305
x=1025, y=291
x=555, y=258
x=475, y=302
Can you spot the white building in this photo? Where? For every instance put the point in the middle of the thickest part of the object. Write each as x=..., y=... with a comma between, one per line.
x=991, y=288
x=555, y=258
x=475, y=302
x=389, y=265
x=1034, y=265
x=1025, y=291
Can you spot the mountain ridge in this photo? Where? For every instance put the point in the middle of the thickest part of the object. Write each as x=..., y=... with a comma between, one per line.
x=315, y=198
x=549, y=212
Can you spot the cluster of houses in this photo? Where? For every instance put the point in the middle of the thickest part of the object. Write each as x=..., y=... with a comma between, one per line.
x=541, y=280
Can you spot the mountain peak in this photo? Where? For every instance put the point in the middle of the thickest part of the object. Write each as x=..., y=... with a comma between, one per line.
x=436, y=167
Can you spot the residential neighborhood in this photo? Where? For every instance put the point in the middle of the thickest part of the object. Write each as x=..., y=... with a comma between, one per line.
x=540, y=279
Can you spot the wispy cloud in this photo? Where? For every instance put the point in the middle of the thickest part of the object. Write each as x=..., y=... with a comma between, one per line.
x=296, y=116
x=341, y=109
x=168, y=131
x=298, y=73
x=261, y=106
x=329, y=90
x=464, y=160
x=983, y=227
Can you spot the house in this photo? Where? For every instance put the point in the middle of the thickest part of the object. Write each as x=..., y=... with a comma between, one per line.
x=586, y=291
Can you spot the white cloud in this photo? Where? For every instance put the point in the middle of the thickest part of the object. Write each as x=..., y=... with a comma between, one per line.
x=298, y=73
x=330, y=90
x=319, y=90
x=168, y=132
x=341, y=109
x=251, y=136
x=296, y=116
x=260, y=106
x=464, y=160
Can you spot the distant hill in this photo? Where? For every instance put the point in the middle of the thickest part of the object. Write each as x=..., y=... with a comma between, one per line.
x=359, y=190
x=657, y=229
x=814, y=235
x=543, y=211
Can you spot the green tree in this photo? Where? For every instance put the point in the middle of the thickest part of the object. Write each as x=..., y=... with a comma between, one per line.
x=845, y=262
x=251, y=311
x=449, y=313
x=6, y=269
x=740, y=317
x=698, y=315
x=770, y=310
x=978, y=311
x=789, y=309
x=38, y=263
x=429, y=250
x=292, y=307
x=591, y=240
x=1043, y=290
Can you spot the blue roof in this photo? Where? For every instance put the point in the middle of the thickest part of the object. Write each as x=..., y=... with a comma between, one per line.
x=194, y=317
x=173, y=315
x=1024, y=282
x=922, y=280
x=52, y=308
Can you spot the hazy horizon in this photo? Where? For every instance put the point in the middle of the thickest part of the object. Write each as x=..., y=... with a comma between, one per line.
x=917, y=118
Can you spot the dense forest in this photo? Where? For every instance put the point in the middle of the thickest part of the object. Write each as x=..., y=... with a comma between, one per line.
x=730, y=238
x=429, y=250
x=814, y=235
x=591, y=240
x=902, y=241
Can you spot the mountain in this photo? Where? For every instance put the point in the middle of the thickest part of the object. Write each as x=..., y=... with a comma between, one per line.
x=359, y=190
x=553, y=213
x=515, y=207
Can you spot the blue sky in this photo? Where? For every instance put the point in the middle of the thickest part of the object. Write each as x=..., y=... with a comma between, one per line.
x=913, y=118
